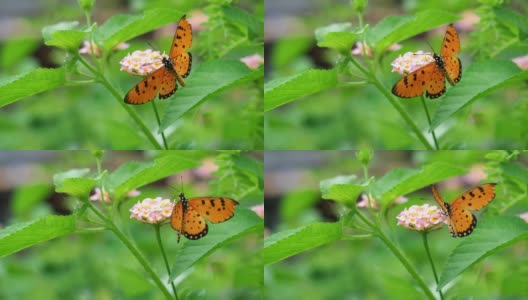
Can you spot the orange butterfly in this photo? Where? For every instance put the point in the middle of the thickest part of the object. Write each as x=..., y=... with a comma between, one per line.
x=163, y=80
x=188, y=214
x=461, y=221
x=431, y=77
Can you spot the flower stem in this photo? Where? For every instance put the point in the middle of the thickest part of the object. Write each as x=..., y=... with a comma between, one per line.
x=426, y=246
x=103, y=80
x=406, y=264
x=132, y=248
x=157, y=227
x=429, y=120
x=395, y=104
x=159, y=124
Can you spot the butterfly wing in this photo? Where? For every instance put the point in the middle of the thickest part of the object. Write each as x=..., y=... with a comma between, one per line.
x=453, y=69
x=428, y=77
x=182, y=39
x=146, y=89
x=475, y=198
x=445, y=209
x=182, y=64
x=450, y=48
x=188, y=222
x=214, y=209
x=451, y=43
x=462, y=221
x=168, y=84
x=436, y=85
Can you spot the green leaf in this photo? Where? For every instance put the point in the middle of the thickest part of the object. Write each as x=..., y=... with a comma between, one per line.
x=121, y=28
x=394, y=29
x=23, y=235
x=479, y=79
x=243, y=223
x=74, y=182
x=254, y=25
x=491, y=235
x=515, y=171
x=345, y=193
x=64, y=36
x=291, y=242
x=14, y=50
x=326, y=184
x=207, y=80
x=135, y=174
x=27, y=196
x=30, y=83
x=283, y=90
x=296, y=202
x=337, y=36
x=401, y=181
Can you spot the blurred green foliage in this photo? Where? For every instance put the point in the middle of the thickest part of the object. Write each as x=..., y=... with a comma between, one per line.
x=94, y=264
x=81, y=116
x=356, y=265
x=353, y=114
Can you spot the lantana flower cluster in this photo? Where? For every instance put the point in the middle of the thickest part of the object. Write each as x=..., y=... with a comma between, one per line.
x=411, y=61
x=142, y=62
x=153, y=211
x=421, y=217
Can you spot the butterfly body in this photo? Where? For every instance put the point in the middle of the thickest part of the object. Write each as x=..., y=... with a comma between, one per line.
x=431, y=77
x=189, y=215
x=461, y=221
x=175, y=67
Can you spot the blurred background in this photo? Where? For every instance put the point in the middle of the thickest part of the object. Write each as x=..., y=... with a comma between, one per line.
x=355, y=114
x=365, y=268
x=88, y=116
x=95, y=264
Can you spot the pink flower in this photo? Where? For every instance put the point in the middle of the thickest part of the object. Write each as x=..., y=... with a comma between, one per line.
x=421, y=217
x=358, y=49
x=96, y=196
x=87, y=48
x=364, y=202
x=142, y=62
x=521, y=62
x=411, y=62
x=259, y=210
x=524, y=216
x=253, y=62
x=197, y=20
x=153, y=211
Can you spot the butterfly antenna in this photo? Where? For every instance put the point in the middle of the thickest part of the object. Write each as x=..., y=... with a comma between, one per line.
x=432, y=50
x=181, y=181
x=151, y=46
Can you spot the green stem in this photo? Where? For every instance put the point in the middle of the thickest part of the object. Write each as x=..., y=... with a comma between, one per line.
x=429, y=120
x=395, y=104
x=157, y=227
x=133, y=249
x=426, y=246
x=131, y=112
x=159, y=124
x=405, y=262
